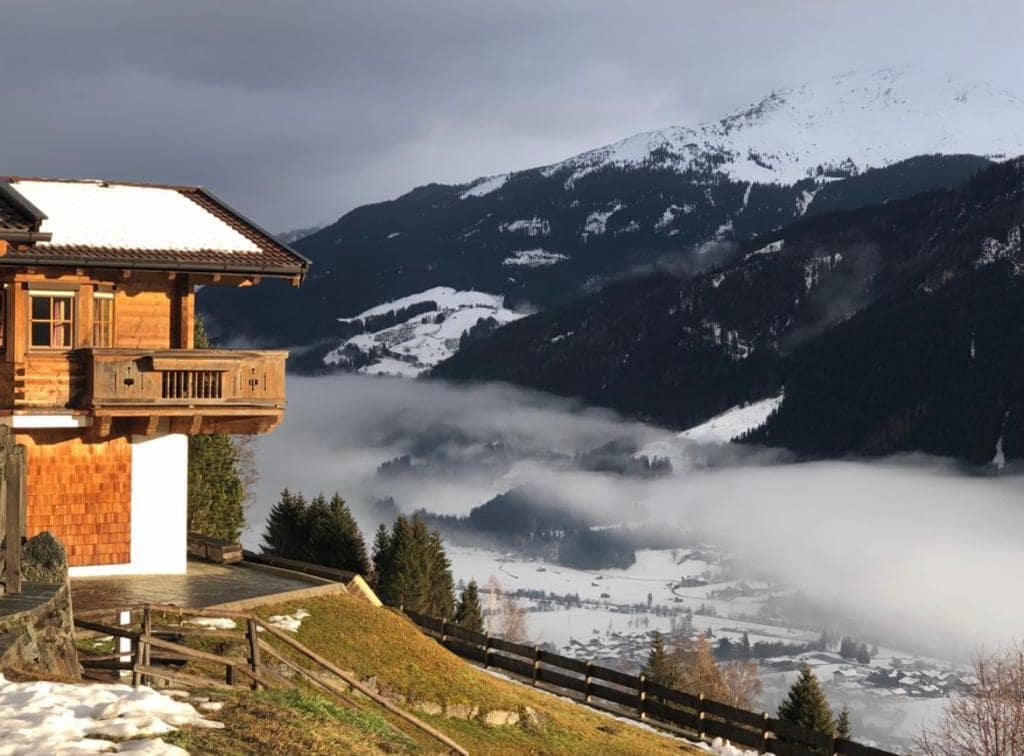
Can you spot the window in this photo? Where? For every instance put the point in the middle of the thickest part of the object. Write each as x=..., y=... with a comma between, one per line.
x=103, y=319
x=52, y=319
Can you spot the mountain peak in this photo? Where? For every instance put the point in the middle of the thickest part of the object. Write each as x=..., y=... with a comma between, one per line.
x=847, y=122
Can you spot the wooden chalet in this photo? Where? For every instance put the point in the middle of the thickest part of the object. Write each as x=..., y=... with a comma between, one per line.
x=99, y=375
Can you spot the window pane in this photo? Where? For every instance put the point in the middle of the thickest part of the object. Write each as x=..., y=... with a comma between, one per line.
x=40, y=308
x=40, y=334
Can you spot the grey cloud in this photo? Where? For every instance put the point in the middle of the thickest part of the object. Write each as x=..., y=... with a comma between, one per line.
x=296, y=112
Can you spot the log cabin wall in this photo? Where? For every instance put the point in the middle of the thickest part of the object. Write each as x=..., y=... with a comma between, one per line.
x=81, y=491
x=150, y=312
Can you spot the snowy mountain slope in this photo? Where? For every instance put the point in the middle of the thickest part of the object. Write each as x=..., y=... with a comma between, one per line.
x=733, y=423
x=893, y=328
x=547, y=236
x=414, y=333
x=847, y=123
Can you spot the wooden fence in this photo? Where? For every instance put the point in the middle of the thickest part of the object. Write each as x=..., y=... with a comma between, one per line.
x=640, y=697
x=153, y=655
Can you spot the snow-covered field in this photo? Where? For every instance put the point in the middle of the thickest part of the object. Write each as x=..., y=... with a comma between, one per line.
x=50, y=718
x=420, y=342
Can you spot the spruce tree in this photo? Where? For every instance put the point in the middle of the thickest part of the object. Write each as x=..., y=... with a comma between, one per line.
x=381, y=555
x=285, y=534
x=468, y=613
x=843, y=723
x=745, y=647
x=661, y=667
x=220, y=476
x=440, y=588
x=334, y=537
x=806, y=705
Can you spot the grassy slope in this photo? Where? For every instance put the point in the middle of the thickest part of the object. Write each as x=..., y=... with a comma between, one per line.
x=385, y=645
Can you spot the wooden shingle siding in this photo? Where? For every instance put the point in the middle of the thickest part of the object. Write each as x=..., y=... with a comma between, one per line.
x=81, y=492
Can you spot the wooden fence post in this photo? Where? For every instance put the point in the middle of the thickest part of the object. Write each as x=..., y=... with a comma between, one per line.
x=15, y=517
x=487, y=652
x=588, y=681
x=700, y=714
x=764, y=733
x=254, y=650
x=145, y=650
x=125, y=646
x=641, y=702
x=229, y=674
x=444, y=632
x=536, y=665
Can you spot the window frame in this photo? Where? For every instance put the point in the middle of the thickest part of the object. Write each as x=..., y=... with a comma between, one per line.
x=97, y=297
x=69, y=323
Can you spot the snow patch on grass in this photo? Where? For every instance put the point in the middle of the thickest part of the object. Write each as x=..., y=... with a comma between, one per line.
x=49, y=717
x=290, y=622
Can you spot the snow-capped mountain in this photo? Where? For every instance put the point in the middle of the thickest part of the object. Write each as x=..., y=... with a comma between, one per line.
x=546, y=236
x=845, y=124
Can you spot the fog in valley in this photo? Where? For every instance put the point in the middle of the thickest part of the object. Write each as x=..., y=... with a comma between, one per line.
x=909, y=551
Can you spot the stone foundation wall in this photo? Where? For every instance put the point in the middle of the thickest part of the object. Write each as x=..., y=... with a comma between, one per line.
x=37, y=632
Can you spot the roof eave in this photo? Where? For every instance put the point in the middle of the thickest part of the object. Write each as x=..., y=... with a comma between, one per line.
x=271, y=271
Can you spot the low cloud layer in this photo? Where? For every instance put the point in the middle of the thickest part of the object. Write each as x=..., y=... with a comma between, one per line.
x=910, y=550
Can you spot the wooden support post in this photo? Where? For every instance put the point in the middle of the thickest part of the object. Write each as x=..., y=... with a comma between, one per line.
x=254, y=650
x=588, y=696
x=14, y=517
x=700, y=715
x=487, y=652
x=641, y=697
x=764, y=733
x=444, y=632
x=536, y=665
x=229, y=674
x=147, y=629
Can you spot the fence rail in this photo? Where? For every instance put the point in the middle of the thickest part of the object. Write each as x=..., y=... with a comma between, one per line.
x=642, y=698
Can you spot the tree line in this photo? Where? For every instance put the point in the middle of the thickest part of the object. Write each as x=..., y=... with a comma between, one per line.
x=407, y=566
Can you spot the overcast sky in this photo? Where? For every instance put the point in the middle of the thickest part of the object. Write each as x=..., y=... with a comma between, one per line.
x=295, y=112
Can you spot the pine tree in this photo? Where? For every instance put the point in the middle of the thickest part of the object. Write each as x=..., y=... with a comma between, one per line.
x=843, y=723
x=745, y=647
x=334, y=537
x=661, y=667
x=806, y=705
x=468, y=613
x=285, y=534
x=381, y=555
x=863, y=655
x=440, y=588
x=220, y=476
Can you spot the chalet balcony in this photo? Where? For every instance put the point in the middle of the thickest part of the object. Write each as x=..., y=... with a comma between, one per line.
x=201, y=390
x=133, y=390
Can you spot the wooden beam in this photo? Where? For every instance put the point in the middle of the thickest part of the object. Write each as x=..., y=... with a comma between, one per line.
x=102, y=425
x=196, y=425
x=15, y=518
x=126, y=273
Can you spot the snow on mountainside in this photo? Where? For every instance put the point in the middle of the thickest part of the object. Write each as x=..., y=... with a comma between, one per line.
x=848, y=123
x=414, y=333
x=733, y=423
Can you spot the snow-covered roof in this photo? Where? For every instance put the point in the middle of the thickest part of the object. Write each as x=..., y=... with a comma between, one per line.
x=139, y=225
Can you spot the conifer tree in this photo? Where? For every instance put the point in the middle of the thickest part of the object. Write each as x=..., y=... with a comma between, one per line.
x=220, y=476
x=381, y=554
x=662, y=667
x=468, y=613
x=806, y=705
x=285, y=534
x=413, y=570
x=334, y=539
x=440, y=588
x=843, y=723
x=745, y=646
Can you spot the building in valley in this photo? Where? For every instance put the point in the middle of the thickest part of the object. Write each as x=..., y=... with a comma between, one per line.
x=99, y=377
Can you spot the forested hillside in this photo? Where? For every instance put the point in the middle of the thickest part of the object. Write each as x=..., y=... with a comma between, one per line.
x=891, y=328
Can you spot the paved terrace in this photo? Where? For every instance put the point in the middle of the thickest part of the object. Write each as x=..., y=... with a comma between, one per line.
x=237, y=586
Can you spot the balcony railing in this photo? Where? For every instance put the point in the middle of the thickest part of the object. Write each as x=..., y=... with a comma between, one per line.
x=184, y=378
